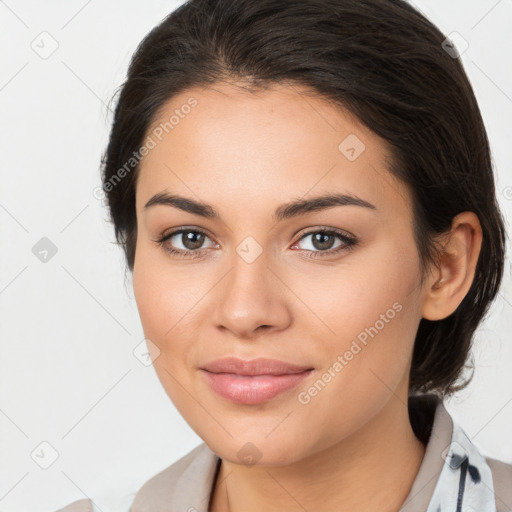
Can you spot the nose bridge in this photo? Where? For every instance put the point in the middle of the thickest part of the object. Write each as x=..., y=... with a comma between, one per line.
x=250, y=272
x=251, y=295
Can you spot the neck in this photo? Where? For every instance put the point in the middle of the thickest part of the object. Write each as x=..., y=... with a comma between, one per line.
x=374, y=466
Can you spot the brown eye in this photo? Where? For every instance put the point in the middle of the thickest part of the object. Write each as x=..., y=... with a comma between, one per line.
x=184, y=242
x=192, y=239
x=324, y=240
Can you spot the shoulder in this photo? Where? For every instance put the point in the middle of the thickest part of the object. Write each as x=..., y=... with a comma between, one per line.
x=502, y=480
x=103, y=503
x=165, y=481
x=160, y=487
x=185, y=483
x=84, y=505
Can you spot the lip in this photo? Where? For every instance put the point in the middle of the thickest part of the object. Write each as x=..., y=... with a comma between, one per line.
x=255, y=381
x=259, y=366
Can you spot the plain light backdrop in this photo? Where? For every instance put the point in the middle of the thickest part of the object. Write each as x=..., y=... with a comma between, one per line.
x=74, y=398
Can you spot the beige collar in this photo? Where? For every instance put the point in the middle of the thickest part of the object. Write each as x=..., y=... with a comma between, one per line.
x=439, y=439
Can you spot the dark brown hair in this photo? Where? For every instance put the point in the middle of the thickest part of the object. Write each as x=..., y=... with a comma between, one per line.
x=379, y=59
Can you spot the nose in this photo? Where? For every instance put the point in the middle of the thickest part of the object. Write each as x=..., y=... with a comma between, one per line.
x=252, y=298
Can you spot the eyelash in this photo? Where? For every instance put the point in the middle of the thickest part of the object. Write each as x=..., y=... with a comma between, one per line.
x=348, y=241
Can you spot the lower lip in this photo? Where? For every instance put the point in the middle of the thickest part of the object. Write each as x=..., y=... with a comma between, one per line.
x=250, y=390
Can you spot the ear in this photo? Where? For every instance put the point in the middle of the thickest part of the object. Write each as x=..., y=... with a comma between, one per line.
x=451, y=279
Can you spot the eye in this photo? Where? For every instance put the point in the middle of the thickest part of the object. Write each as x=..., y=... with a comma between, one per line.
x=323, y=241
x=191, y=241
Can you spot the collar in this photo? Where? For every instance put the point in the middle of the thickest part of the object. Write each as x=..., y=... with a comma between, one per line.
x=453, y=472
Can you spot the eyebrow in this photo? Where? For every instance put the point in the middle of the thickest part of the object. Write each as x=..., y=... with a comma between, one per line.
x=286, y=211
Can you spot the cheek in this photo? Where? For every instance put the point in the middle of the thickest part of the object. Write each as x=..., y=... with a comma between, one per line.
x=164, y=294
x=347, y=299
x=167, y=300
x=366, y=362
x=160, y=310
x=369, y=316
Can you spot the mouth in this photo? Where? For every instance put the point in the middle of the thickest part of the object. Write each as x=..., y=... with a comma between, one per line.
x=253, y=382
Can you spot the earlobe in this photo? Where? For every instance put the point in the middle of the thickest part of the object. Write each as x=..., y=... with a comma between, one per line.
x=451, y=279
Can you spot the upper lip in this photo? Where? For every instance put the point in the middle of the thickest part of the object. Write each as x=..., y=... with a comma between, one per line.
x=260, y=366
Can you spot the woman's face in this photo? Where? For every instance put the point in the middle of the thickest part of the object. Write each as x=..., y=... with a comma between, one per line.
x=261, y=280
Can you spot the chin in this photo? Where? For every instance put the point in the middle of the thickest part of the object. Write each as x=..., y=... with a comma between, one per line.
x=256, y=450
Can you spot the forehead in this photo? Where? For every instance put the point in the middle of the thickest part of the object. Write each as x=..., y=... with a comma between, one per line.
x=228, y=142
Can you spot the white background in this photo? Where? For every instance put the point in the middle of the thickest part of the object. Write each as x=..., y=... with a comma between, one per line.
x=69, y=326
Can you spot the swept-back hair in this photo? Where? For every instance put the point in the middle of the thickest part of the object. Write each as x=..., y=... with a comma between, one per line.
x=379, y=59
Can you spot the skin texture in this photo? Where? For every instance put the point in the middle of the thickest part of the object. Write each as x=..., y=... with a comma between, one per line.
x=351, y=447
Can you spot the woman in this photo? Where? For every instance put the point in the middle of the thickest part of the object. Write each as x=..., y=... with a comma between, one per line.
x=305, y=196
